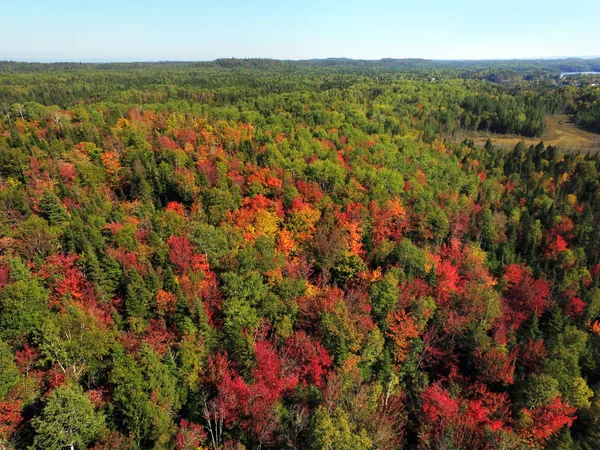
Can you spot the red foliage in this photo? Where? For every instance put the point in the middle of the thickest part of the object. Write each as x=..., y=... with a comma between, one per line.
x=523, y=295
x=438, y=405
x=10, y=418
x=63, y=277
x=113, y=227
x=189, y=436
x=439, y=351
x=466, y=423
x=389, y=221
x=167, y=142
x=181, y=253
x=196, y=280
x=342, y=161
x=158, y=336
x=68, y=285
x=556, y=246
x=413, y=291
x=4, y=275
x=130, y=341
x=251, y=404
x=310, y=190
x=270, y=385
x=532, y=355
x=128, y=259
x=564, y=228
x=449, y=280
x=26, y=357
x=96, y=396
x=177, y=208
x=232, y=391
x=459, y=223
x=576, y=307
x=209, y=169
x=545, y=421
x=456, y=266
x=264, y=177
x=309, y=358
x=558, y=237
x=56, y=378
x=67, y=172
x=325, y=301
x=186, y=136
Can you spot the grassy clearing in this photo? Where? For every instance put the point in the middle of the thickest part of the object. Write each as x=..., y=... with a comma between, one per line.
x=562, y=132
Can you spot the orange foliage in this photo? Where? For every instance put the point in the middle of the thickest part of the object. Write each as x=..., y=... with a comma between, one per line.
x=403, y=330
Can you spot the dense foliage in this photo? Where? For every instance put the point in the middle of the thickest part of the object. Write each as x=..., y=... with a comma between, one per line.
x=587, y=109
x=249, y=254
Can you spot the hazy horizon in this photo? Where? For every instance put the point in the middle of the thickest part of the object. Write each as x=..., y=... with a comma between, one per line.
x=126, y=61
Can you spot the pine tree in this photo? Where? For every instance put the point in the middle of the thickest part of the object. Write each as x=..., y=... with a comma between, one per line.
x=52, y=210
x=137, y=297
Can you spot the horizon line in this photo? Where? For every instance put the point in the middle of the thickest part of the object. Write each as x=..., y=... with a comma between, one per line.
x=130, y=61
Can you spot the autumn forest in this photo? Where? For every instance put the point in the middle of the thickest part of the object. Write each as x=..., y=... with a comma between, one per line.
x=261, y=254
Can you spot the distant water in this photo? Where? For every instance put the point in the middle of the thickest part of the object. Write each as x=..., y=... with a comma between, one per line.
x=566, y=74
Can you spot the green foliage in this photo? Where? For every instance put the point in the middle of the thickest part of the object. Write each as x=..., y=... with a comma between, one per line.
x=145, y=395
x=333, y=431
x=8, y=369
x=74, y=341
x=52, y=210
x=384, y=296
x=137, y=298
x=68, y=420
x=23, y=303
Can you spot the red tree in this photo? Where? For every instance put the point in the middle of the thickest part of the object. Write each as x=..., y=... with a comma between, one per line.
x=545, y=421
x=309, y=358
x=523, y=295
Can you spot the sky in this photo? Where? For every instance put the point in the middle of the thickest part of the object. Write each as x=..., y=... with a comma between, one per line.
x=192, y=30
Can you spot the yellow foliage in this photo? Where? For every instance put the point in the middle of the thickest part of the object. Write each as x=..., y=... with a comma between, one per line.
x=122, y=123
x=266, y=223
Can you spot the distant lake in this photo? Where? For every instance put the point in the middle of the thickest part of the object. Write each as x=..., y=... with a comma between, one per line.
x=566, y=74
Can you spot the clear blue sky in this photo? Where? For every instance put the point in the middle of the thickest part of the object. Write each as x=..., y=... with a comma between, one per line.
x=132, y=30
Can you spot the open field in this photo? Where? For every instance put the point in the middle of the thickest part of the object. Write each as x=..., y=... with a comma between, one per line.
x=562, y=132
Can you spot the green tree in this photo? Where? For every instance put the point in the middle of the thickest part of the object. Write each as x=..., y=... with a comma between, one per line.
x=53, y=211
x=138, y=297
x=334, y=432
x=8, y=369
x=23, y=303
x=145, y=396
x=384, y=295
x=68, y=420
x=75, y=342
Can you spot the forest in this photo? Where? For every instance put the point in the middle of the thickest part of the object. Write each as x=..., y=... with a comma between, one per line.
x=262, y=254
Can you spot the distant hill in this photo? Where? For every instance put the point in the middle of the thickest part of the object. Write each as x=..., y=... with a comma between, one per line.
x=554, y=66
